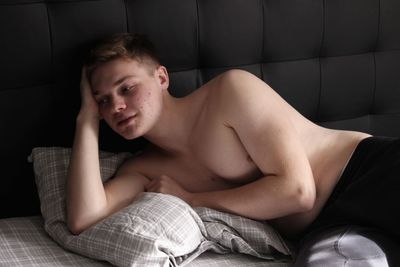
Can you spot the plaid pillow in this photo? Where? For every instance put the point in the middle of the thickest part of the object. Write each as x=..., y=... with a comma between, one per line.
x=155, y=230
x=239, y=234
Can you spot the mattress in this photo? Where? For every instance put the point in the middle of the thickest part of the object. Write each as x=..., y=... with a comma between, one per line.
x=24, y=242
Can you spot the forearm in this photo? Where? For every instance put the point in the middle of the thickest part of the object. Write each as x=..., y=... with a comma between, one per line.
x=267, y=198
x=86, y=198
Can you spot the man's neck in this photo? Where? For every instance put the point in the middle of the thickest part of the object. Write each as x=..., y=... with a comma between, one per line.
x=174, y=127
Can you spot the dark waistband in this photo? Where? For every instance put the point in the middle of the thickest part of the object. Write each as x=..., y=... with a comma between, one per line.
x=366, y=151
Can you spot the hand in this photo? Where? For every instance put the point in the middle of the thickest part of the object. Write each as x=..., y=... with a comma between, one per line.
x=89, y=105
x=167, y=185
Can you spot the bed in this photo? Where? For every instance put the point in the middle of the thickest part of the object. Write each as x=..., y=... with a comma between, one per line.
x=336, y=61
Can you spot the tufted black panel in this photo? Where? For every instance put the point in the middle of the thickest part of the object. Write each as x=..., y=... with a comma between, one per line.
x=230, y=35
x=336, y=61
x=25, y=44
x=387, y=97
x=172, y=26
x=351, y=27
x=305, y=74
x=347, y=86
x=293, y=30
x=74, y=24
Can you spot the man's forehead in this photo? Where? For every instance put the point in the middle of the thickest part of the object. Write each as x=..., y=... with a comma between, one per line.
x=111, y=74
x=118, y=81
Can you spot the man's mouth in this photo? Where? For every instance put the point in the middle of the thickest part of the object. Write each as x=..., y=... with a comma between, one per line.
x=125, y=121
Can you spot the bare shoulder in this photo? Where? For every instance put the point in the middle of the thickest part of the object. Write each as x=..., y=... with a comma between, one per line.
x=261, y=119
x=235, y=78
x=238, y=92
x=139, y=163
x=241, y=86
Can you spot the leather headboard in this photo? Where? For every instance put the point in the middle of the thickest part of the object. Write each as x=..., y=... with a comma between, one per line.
x=336, y=61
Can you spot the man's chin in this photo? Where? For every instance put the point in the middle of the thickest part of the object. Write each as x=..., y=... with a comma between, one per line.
x=129, y=135
x=131, y=132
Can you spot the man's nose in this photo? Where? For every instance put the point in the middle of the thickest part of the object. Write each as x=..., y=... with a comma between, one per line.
x=118, y=104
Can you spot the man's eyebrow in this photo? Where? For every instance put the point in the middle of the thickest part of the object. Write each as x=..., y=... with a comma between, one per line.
x=120, y=80
x=117, y=82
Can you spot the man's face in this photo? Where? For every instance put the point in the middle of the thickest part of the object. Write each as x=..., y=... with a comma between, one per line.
x=129, y=95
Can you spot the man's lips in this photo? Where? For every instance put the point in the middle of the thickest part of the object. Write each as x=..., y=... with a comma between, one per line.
x=125, y=121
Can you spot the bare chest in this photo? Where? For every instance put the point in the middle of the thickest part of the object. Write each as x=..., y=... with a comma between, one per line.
x=219, y=149
x=216, y=160
x=220, y=155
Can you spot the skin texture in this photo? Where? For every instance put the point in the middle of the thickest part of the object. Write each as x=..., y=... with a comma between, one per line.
x=233, y=145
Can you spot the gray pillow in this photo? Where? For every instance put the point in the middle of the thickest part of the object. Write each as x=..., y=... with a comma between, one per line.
x=155, y=230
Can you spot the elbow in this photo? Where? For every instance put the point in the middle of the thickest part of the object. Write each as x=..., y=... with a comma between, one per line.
x=75, y=226
x=78, y=220
x=75, y=223
x=305, y=197
x=78, y=223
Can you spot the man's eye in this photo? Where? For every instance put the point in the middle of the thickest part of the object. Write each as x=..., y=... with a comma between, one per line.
x=102, y=101
x=126, y=89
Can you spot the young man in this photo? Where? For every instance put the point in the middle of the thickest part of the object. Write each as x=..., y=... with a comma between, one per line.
x=233, y=145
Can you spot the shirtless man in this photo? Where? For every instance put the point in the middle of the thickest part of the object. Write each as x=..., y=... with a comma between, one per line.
x=233, y=144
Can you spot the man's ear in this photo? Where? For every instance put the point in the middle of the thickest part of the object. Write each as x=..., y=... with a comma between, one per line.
x=162, y=75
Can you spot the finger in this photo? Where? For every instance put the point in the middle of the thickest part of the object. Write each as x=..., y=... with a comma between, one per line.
x=151, y=185
x=165, y=177
x=150, y=188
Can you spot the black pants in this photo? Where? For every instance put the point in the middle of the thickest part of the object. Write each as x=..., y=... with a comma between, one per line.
x=368, y=192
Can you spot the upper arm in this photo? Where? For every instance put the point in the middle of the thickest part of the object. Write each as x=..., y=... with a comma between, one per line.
x=261, y=120
x=125, y=186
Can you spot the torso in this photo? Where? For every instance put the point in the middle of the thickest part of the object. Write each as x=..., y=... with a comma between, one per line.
x=217, y=160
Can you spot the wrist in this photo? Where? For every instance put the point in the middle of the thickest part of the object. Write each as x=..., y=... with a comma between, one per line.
x=195, y=200
x=85, y=117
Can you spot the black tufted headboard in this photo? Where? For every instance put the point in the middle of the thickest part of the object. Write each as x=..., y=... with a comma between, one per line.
x=336, y=61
